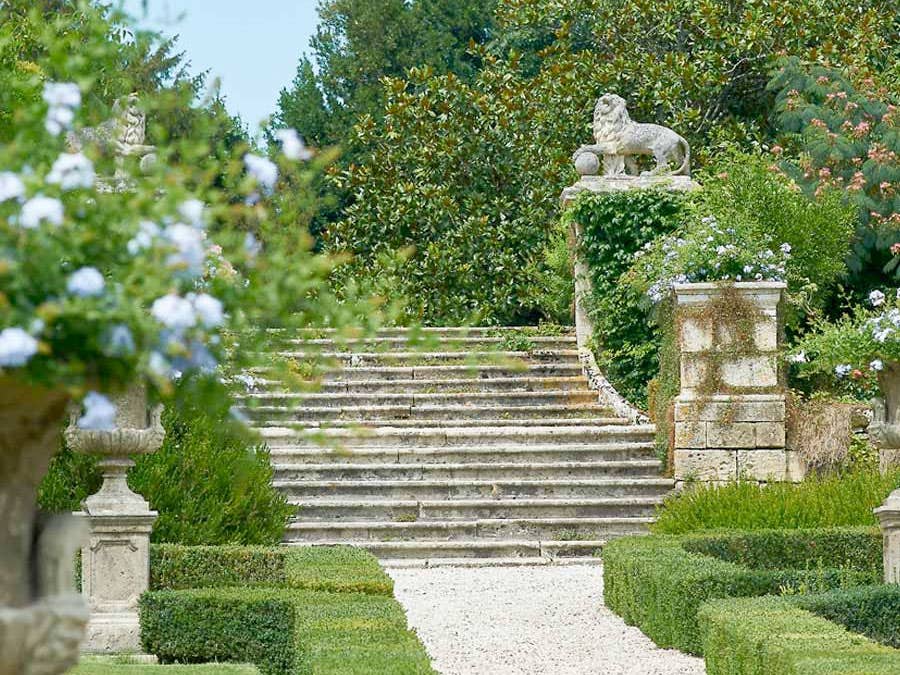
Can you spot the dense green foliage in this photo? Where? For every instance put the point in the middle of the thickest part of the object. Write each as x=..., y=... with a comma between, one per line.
x=210, y=481
x=614, y=227
x=470, y=172
x=838, y=500
x=872, y=611
x=774, y=636
x=658, y=585
x=359, y=42
x=291, y=611
x=325, y=568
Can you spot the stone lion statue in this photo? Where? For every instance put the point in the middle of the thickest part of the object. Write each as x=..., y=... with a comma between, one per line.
x=123, y=135
x=618, y=140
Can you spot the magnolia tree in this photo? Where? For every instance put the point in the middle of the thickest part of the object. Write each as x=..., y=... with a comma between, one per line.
x=163, y=278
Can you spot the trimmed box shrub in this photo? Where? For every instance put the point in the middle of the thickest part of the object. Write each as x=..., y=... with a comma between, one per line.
x=282, y=631
x=319, y=568
x=775, y=636
x=658, y=583
x=873, y=611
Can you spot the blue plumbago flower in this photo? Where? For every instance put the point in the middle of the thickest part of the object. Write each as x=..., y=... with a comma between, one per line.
x=174, y=312
x=263, y=170
x=99, y=413
x=190, y=246
x=72, y=171
x=251, y=245
x=147, y=233
x=208, y=309
x=877, y=365
x=292, y=145
x=86, y=283
x=62, y=98
x=842, y=370
x=876, y=298
x=119, y=341
x=11, y=186
x=41, y=209
x=16, y=347
x=193, y=211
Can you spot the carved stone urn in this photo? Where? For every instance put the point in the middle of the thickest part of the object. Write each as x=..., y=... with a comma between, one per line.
x=116, y=563
x=885, y=427
x=42, y=618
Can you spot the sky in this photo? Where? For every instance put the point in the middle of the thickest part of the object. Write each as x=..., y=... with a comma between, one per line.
x=252, y=46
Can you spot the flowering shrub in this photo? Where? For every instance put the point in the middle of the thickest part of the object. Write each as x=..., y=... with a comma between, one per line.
x=857, y=345
x=153, y=274
x=709, y=251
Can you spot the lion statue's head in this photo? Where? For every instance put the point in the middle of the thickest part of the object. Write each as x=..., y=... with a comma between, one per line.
x=610, y=117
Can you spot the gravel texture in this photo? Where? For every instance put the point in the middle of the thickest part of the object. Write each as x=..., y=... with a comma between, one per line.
x=527, y=621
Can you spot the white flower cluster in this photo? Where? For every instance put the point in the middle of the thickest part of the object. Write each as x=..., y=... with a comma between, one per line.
x=187, y=241
x=263, y=170
x=71, y=171
x=99, y=413
x=17, y=347
x=62, y=99
x=292, y=145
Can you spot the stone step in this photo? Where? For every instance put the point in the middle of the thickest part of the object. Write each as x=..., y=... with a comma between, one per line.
x=431, y=342
x=335, y=471
x=508, y=359
x=475, y=489
x=548, y=529
x=418, y=331
x=473, y=509
x=450, y=373
x=281, y=437
x=453, y=400
x=500, y=454
x=458, y=385
x=272, y=416
x=412, y=423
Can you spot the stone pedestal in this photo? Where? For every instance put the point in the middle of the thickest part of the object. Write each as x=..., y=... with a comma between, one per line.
x=115, y=564
x=730, y=413
x=889, y=517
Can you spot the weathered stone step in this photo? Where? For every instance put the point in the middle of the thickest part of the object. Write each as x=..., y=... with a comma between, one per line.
x=416, y=331
x=570, y=529
x=453, y=413
x=472, y=509
x=412, y=423
x=475, y=489
x=468, y=454
x=335, y=471
x=451, y=373
x=508, y=359
x=458, y=385
x=431, y=342
x=281, y=437
x=275, y=401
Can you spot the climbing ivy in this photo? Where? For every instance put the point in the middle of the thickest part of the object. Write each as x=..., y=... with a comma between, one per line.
x=614, y=227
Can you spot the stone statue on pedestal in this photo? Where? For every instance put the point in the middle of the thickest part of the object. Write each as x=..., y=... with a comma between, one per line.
x=618, y=141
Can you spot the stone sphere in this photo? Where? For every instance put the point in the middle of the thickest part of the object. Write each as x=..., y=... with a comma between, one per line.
x=587, y=164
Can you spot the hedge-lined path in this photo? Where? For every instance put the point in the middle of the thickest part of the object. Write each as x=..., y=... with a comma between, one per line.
x=527, y=621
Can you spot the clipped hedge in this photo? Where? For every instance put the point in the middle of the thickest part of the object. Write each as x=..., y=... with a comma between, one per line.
x=777, y=637
x=282, y=631
x=658, y=583
x=320, y=568
x=873, y=611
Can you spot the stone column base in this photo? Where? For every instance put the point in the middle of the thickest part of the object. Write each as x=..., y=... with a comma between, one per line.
x=113, y=633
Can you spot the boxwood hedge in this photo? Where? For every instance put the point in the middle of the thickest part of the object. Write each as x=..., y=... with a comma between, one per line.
x=320, y=568
x=776, y=636
x=873, y=611
x=658, y=583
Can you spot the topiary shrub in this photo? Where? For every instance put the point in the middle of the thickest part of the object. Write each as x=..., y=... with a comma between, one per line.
x=873, y=611
x=775, y=636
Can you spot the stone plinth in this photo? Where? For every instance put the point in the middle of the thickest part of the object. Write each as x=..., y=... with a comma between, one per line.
x=730, y=413
x=889, y=517
x=115, y=564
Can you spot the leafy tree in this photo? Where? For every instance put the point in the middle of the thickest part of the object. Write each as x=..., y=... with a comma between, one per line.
x=359, y=42
x=846, y=132
x=470, y=173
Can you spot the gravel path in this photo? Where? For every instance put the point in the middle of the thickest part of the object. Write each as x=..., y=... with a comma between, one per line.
x=527, y=621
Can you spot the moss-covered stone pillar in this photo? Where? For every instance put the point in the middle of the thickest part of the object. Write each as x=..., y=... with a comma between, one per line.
x=730, y=412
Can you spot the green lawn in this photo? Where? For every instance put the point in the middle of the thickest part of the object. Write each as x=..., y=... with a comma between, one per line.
x=125, y=666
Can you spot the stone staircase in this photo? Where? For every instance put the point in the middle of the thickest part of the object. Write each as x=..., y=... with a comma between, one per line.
x=454, y=445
